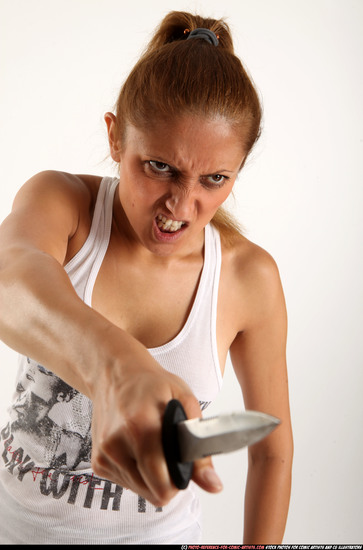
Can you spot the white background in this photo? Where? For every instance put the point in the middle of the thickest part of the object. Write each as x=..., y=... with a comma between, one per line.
x=300, y=197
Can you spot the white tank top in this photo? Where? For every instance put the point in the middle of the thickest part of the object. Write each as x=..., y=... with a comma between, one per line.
x=48, y=492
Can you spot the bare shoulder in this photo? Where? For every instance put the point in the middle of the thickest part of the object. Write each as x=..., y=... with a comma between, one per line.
x=249, y=262
x=250, y=277
x=51, y=182
x=70, y=196
x=52, y=211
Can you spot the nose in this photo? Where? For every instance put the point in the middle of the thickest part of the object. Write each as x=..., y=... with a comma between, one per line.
x=181, y=202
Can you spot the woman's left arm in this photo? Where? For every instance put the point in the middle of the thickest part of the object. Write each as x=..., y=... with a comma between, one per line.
x=258, y=355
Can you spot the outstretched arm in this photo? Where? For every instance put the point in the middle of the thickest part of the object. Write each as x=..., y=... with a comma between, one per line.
x=43, y=318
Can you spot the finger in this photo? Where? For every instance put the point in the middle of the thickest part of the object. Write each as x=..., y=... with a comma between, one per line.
x=104, y=466
x=154, y=470
x=136, y=457
x=153, y=466
x=191, y=406
x=205, y=475
x=124, y=471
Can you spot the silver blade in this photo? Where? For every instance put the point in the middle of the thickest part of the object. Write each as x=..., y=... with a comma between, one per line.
x=221, y=434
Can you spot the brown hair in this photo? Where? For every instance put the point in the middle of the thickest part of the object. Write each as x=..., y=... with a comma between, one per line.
x=176, y=76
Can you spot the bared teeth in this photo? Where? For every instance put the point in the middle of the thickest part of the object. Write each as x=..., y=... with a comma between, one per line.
x=166, y=224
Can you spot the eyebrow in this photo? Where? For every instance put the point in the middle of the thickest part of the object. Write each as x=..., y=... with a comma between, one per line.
x=156, y=158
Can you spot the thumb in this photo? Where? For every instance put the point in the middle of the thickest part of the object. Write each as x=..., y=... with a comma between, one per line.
x=205, y=475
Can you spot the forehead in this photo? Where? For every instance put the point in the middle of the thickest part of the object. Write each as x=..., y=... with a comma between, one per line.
x=188, y=140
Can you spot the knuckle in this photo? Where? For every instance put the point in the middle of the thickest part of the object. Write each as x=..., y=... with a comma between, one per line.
x=99, y=464
x=133, y=428
x=163, y=497
x=136, y=433
x=202, y=463
x=191, y=406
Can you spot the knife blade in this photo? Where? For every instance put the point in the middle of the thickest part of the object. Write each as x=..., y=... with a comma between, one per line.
x=187, y=440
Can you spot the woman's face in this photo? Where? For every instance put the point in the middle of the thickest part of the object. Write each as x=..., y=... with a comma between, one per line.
x=173, y=178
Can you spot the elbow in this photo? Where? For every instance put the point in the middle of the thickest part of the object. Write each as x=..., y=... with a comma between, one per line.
x=272, y=466
x=280, y=459
x=280, y=453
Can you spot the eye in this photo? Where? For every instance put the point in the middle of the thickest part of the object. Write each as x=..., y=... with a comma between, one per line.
x=159, y=166
x=217, y=178
x=214, y=181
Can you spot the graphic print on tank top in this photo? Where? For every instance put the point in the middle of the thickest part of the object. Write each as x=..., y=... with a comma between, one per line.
x=51, y=419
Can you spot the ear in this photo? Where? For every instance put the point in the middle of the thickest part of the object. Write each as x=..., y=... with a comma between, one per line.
x=114, y=139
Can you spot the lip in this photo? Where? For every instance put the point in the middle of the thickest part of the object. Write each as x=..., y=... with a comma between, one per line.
x=167, y=237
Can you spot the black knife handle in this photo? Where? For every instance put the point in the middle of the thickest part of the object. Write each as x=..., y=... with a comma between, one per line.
x=180, y=472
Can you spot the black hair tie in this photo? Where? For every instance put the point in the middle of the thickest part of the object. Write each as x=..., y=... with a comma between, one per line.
x=206, y=34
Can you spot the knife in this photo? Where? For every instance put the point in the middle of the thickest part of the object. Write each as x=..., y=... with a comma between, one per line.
x=187, y=440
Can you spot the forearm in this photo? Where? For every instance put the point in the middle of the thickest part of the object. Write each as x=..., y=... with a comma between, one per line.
x=267, y=500
x=42, y=317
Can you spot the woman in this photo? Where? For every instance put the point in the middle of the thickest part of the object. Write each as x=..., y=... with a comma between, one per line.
x=132, y=291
